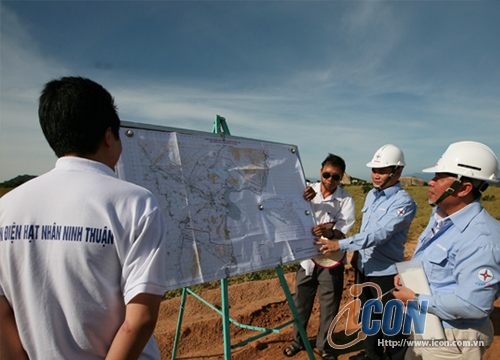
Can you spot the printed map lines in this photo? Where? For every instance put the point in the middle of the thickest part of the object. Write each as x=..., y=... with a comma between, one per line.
x=210, y=191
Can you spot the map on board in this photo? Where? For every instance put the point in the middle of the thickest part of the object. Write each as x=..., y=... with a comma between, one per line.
x=232, y=205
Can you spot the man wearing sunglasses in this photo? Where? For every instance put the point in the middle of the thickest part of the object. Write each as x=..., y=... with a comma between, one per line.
x=334, y=210
x=387, y=214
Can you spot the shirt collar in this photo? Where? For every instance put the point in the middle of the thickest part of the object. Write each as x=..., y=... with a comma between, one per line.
x=82, y=164
x=461, y=218
x=439, y=217
x=388, y=192
x=337, y=194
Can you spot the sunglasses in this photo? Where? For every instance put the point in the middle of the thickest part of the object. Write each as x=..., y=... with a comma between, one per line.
x=327, y=175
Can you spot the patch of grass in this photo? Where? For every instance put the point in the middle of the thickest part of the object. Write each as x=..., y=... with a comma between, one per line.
x=420, y=194
x=491, y=201
x=366, y=188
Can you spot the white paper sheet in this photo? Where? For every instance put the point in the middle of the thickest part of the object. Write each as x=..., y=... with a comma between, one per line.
x=413, y=277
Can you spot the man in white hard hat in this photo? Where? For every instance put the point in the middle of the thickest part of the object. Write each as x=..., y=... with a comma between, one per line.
x=387, y=214
x=460, y=253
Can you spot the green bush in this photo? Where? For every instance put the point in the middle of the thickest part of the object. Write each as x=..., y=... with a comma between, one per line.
x=367, y=187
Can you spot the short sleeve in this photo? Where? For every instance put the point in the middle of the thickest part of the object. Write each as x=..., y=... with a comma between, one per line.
x=144, y=265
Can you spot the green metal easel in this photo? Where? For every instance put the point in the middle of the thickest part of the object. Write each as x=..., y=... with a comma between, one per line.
x=220, y=127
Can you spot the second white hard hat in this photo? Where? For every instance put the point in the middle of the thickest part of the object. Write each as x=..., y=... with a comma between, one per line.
x=468, y=158
x=387, y=155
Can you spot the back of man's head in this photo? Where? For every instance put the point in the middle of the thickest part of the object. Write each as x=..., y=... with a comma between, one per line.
x=74, y=114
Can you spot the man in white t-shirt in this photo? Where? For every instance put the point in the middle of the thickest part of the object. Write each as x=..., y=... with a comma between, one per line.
x=82, y=253
x=334, y=210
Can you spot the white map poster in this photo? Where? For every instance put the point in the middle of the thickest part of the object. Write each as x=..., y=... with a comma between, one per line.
x=232, y=205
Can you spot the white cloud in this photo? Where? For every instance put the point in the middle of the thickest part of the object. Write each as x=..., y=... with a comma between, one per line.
x=23, y=149
x=366, y=85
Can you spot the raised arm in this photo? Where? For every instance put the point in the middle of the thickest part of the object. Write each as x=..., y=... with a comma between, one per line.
x=398, y=217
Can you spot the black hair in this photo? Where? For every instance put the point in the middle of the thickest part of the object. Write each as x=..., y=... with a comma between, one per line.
x=334, y=160
x=75, y=113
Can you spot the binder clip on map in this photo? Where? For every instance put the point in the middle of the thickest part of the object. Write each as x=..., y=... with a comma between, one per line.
x=331, y=260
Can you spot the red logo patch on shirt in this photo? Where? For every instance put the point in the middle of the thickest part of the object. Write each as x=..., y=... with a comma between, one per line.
x=485, y=275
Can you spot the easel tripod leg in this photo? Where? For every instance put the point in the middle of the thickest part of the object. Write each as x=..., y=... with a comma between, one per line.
x=179, y=323
x=295, y=313
x=225, y=320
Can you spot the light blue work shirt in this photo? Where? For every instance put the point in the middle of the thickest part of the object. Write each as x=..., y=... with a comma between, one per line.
x=462, y=265
x=387, y=216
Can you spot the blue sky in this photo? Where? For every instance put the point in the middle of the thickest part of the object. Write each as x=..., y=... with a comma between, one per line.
x=328, y=76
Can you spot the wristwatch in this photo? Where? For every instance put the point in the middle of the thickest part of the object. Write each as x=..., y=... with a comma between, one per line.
x=416, y=297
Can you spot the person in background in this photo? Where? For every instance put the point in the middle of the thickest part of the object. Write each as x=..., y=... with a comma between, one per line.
x=82, y=253
x=334, y=210
x=460, y=254
x=387, y=214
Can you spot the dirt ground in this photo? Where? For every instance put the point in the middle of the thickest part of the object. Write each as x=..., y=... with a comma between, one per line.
x=260, y=304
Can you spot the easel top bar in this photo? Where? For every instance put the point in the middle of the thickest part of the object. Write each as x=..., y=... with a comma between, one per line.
x=135, y=125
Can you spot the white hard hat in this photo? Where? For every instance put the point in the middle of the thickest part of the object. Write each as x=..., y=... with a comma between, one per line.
x=470, y=159
x=387, y=155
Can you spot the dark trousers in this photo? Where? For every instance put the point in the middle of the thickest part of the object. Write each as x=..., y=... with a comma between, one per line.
x=329, y=283
x=374, y=350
